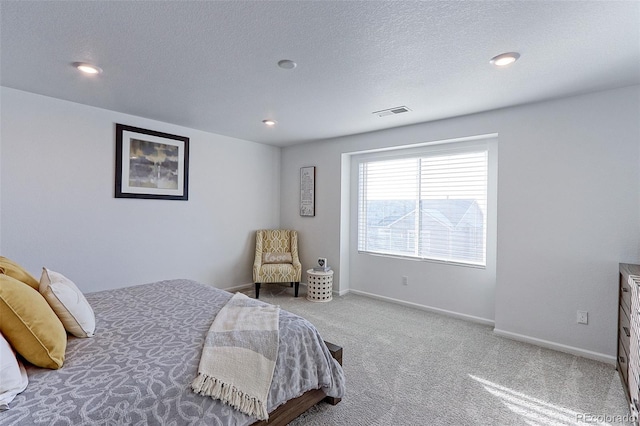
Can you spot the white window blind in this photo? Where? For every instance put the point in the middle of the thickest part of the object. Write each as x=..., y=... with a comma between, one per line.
x=431, y=205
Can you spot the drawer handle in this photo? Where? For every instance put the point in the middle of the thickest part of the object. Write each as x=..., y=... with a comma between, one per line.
x=621, y=358
x=626, y=331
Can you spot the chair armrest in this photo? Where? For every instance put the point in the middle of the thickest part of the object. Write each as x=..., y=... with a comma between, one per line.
x=257, y=264
x=257, y=261
x=297, y=266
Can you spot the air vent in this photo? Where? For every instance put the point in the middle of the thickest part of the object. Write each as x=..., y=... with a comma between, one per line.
x=392, y=111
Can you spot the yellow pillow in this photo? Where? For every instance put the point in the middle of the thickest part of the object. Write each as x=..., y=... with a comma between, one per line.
x=12, y=269
x=30, y=325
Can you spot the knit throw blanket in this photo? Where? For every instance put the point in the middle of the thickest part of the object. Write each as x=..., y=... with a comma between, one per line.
x=239, y=356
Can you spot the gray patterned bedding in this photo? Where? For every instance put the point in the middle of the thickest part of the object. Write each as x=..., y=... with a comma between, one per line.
x=139, y=366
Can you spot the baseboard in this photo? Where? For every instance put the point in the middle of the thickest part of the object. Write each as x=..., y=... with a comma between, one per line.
x=249, y=286
x=340, y=292
x=466, y=317
x=507, y=334
x=238, y=287
x=557, y=346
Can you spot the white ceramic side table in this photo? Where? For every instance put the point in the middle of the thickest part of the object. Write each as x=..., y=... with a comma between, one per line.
x=319, y=286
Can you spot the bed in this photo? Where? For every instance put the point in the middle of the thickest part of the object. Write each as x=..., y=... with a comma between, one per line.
x=139, y=366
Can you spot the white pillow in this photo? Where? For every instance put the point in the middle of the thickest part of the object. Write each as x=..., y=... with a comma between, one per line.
x=68, y=302
x=269, y=257
x=13, y=376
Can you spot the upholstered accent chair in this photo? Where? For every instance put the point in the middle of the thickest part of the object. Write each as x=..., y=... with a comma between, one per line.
x=276, y=258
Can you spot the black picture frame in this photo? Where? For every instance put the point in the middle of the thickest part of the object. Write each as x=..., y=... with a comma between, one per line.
x=151, y=165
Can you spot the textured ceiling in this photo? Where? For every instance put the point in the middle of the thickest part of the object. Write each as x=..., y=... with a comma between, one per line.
x=212, y=65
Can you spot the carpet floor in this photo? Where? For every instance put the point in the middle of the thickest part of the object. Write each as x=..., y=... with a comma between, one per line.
x=406, y=366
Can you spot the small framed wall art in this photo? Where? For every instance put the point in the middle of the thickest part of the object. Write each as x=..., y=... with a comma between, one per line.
x=308, y=191
x=151, y=164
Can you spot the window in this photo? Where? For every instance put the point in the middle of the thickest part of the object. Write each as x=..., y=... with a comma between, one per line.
x=426, y=204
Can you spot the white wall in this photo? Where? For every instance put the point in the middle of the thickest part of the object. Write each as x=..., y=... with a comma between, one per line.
x=568, y=209
x=470, y=290
x=58, y=207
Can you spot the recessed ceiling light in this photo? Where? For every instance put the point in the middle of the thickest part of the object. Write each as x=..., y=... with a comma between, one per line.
x=287, y=64
x=87, y=68
x=269, y=123
x=505, y=59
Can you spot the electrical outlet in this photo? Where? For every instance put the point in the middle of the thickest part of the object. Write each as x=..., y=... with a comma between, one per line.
x=405, y=280
x=583, y=317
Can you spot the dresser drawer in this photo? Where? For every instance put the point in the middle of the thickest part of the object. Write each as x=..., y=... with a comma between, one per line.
x=623, y=365
x=624, y=333
x=625, y=293
x=624, y=330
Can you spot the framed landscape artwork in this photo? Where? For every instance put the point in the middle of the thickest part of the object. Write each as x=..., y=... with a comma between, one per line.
x=151, y=164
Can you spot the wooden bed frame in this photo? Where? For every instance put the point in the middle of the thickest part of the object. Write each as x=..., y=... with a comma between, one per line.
x=291, y=409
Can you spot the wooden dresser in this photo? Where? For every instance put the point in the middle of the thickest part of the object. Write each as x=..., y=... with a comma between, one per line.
x=628, y=358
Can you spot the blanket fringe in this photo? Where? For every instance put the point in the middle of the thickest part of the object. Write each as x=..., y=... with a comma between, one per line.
x=210, y=386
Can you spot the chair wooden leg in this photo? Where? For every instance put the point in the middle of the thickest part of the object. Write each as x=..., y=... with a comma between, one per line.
x=291, y=284
x=297, y=284
x=257, y=290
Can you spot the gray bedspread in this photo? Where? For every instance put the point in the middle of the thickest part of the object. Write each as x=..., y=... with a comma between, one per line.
x=138, y=368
